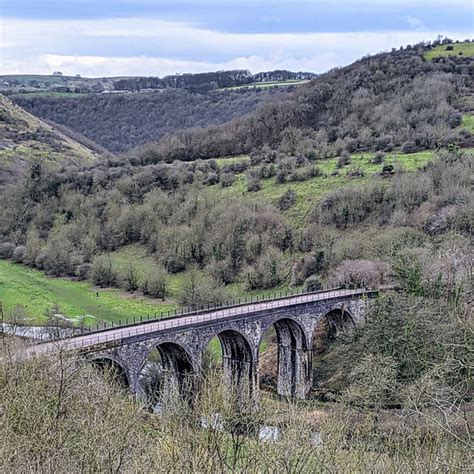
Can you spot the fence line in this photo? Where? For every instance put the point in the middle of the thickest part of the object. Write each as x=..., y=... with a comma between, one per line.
x=179, y=313
x=121, y=333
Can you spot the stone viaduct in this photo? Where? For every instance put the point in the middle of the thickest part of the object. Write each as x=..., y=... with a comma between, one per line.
x=181, y=341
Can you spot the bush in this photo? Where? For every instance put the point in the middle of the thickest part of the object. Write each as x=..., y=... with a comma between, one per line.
x=409, y=147
x=223, y=271
x=355, y=172
x=212, y=178
x=227, y=179
x=84, y=271
x=344, y=159
x=155, y=283
x=130, y=278
x=281, y=176
x=378, y=158
x=268, y=272
x=307, y=266
x=287, y=200
x=6, y=250
x=388, y=169
x=253, y=180
x=67, y=409
x=33, y=247
x=349, y=206
x=199, y=290
x=312, y=283
x=60, y=257
x=18, y=253
x=103, y=272
x=354, y=273
x=373, y=383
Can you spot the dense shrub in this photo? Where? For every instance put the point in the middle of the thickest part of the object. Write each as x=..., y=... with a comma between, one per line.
x=6, y=250
x=19, y=253
x=60, y=257
x=155, y=283
x=84, y=271
x=307, y=266
x=227, y=179
x=350, y=206
x=312, y=283
x=103, y=271
x=253, y=180
x=130, y=278
x=354, y=273
x=268, y=271
x=200, y=291
x=378, y=158
x=344, y=159
x=287, y=200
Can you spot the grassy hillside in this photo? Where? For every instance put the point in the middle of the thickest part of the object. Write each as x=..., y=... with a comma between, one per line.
x=389, y=101
x=454, y=49
x=24, y=138
x=303, y=174
x=37, y=293
x=310, y=192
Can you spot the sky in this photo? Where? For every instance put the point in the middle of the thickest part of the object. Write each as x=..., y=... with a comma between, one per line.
x=98, y=38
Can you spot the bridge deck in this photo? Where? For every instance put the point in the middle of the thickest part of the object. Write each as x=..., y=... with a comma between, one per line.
x=215, y=315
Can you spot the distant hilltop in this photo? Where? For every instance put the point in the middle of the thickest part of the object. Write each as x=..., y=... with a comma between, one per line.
x=200, y=82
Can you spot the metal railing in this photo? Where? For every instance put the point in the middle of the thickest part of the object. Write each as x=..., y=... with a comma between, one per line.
x=180, y=312
x=119, y=334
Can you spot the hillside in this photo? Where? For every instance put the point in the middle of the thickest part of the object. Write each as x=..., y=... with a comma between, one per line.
x=446, y=50
x=24, y=138
x=409, y=100
x=231, y=219
x=386, y=102
x=120, y=122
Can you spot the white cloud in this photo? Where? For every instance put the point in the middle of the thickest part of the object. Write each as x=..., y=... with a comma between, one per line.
x=415, y=23
x=156, y=47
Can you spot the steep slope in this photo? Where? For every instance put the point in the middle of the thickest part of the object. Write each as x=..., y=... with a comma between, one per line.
x=24, y=138
x=390, y=101
x=119, y=122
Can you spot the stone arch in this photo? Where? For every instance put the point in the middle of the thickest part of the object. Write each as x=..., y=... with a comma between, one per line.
x=167, y=374
x=333, y=322
x=238, y=363
x=339, y=319
x=293, y=358
x=113, y=370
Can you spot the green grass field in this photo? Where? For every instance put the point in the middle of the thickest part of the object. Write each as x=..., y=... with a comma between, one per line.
x=459, y=49
x=37, y=293
x=231, y=159
x=468, y=122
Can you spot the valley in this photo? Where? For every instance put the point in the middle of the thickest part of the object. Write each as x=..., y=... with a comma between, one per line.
x=240, y=198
